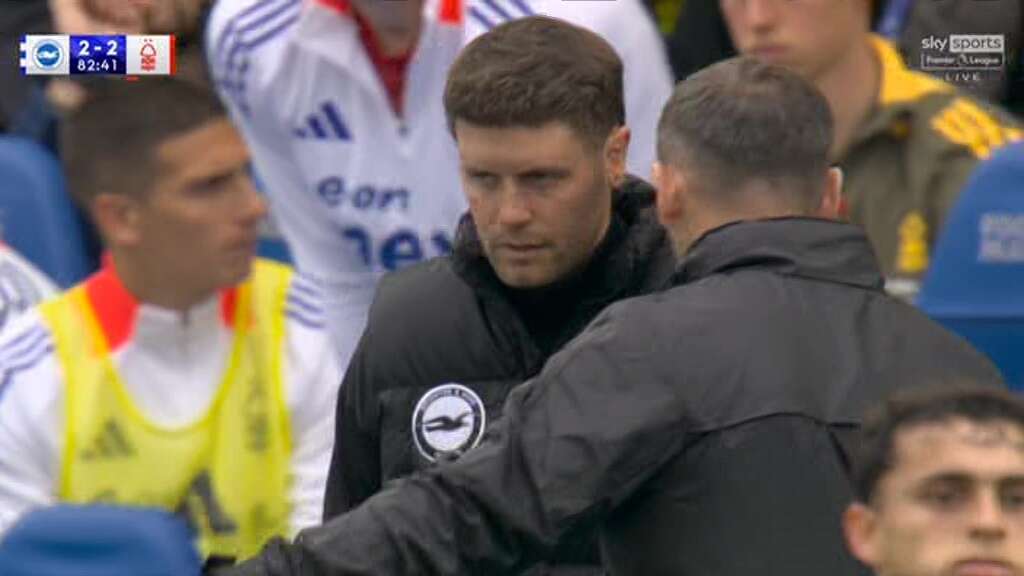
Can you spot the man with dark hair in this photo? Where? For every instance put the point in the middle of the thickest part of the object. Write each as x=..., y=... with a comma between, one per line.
x=555, y=232
x=183, y=370
x=940, y=485
x=705, y=429
x=340, y=102
x=905, y=141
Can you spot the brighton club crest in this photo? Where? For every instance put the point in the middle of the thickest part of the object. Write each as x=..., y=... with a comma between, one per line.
x=448, y=421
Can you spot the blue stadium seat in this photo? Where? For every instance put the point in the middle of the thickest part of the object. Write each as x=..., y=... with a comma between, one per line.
x=99, y=541
x=37, y=217
x=975, y=286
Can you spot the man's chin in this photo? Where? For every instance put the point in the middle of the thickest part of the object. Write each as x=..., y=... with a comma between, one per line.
x=237, y=272
x=522, y=279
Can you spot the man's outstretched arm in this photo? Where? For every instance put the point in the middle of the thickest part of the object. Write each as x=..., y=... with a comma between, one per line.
x=599, y=420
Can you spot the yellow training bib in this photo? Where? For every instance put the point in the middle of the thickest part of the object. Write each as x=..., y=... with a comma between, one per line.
x=228, y=472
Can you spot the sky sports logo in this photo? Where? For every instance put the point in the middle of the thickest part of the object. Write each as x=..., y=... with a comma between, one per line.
x=966, y=43
x=964, y=54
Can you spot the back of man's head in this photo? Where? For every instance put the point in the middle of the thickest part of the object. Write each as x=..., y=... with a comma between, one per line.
x=744, y=132
x=536, y=70
x=109, y=143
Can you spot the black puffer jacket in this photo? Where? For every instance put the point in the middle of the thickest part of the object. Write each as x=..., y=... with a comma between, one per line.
x=446, y=341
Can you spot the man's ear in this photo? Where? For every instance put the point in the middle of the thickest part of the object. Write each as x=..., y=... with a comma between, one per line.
x=831, y=203
x=860, y=528
x=669, y=197
x=616, y=148
x=118, y=219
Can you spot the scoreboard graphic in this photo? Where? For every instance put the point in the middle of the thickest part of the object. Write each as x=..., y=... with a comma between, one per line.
x=114, y=55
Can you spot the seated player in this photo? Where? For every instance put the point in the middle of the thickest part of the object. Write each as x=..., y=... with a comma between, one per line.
x=184, y=374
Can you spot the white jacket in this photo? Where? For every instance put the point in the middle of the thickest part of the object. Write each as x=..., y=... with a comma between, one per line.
x=355, y=190
x=22, y=285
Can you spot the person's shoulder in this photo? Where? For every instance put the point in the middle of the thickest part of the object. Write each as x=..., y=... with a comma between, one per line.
x=27, y=361
x=600, y=16
x=22, y=285
x=979, y=127
x=426, y=290
x=609, y=19
x=945, y=118
x=237, y=29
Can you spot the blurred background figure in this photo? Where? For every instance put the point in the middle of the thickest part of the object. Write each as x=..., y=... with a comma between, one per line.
x=939, y=478
x=906, y=142
x=185, y=374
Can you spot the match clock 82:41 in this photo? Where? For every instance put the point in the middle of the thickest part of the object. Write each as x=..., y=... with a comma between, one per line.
x=98, y=55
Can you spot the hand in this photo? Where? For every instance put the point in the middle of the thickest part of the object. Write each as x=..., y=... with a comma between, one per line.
x=98, y=16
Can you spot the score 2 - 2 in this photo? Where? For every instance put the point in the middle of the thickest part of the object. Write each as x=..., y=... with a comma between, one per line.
x=98, y=55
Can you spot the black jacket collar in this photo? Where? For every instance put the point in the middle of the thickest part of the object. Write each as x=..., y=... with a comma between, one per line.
x=643, y=237
x=801, y=247
x=635, y=258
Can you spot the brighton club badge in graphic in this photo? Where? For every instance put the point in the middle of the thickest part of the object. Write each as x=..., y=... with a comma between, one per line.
x=45, y=55
x=449, y=420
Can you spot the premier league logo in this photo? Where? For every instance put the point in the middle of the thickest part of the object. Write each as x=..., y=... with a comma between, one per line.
x=48, y=55
x=448, y=420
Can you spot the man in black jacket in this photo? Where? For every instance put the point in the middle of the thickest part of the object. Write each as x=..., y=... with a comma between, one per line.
x=706, y=429
x=555, y=233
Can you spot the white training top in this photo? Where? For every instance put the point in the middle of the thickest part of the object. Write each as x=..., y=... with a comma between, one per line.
x=22, y=285
x=172, y=364
x=356, y=190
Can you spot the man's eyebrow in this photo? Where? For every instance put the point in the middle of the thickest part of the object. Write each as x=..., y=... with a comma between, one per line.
x=947, y=477
x=989, y=436
x=545, y=171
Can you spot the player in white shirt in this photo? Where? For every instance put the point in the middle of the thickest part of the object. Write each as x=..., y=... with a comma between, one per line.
x=22, y=285
x=340, y=102
x=184, y=374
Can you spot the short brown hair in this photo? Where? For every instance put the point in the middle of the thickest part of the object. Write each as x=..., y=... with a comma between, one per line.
x=536, y=70
x=108, y=144
x=978, y=404
x=742, y=120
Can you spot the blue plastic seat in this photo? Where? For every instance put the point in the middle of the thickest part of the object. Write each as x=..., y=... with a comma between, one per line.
x=975, y=285
x=37, y=216
x=70, y=540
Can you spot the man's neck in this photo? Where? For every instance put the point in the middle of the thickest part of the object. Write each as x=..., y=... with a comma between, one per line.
x=851, y=88
x=394, y=35
x=153, y=287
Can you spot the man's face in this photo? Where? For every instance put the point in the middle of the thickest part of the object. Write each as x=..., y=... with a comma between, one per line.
x=540, y=197
x=201, y=219
x=952, y=504
x=807, y=36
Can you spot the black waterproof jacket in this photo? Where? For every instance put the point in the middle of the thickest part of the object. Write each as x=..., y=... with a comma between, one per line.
x=706, y=429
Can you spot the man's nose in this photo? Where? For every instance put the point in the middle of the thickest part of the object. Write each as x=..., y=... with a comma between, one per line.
x=255, y=205
x=514, y=211
x=762, y=14
x=988, y=519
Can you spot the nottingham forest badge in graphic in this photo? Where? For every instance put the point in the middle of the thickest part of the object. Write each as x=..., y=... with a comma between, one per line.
x=448, y=421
